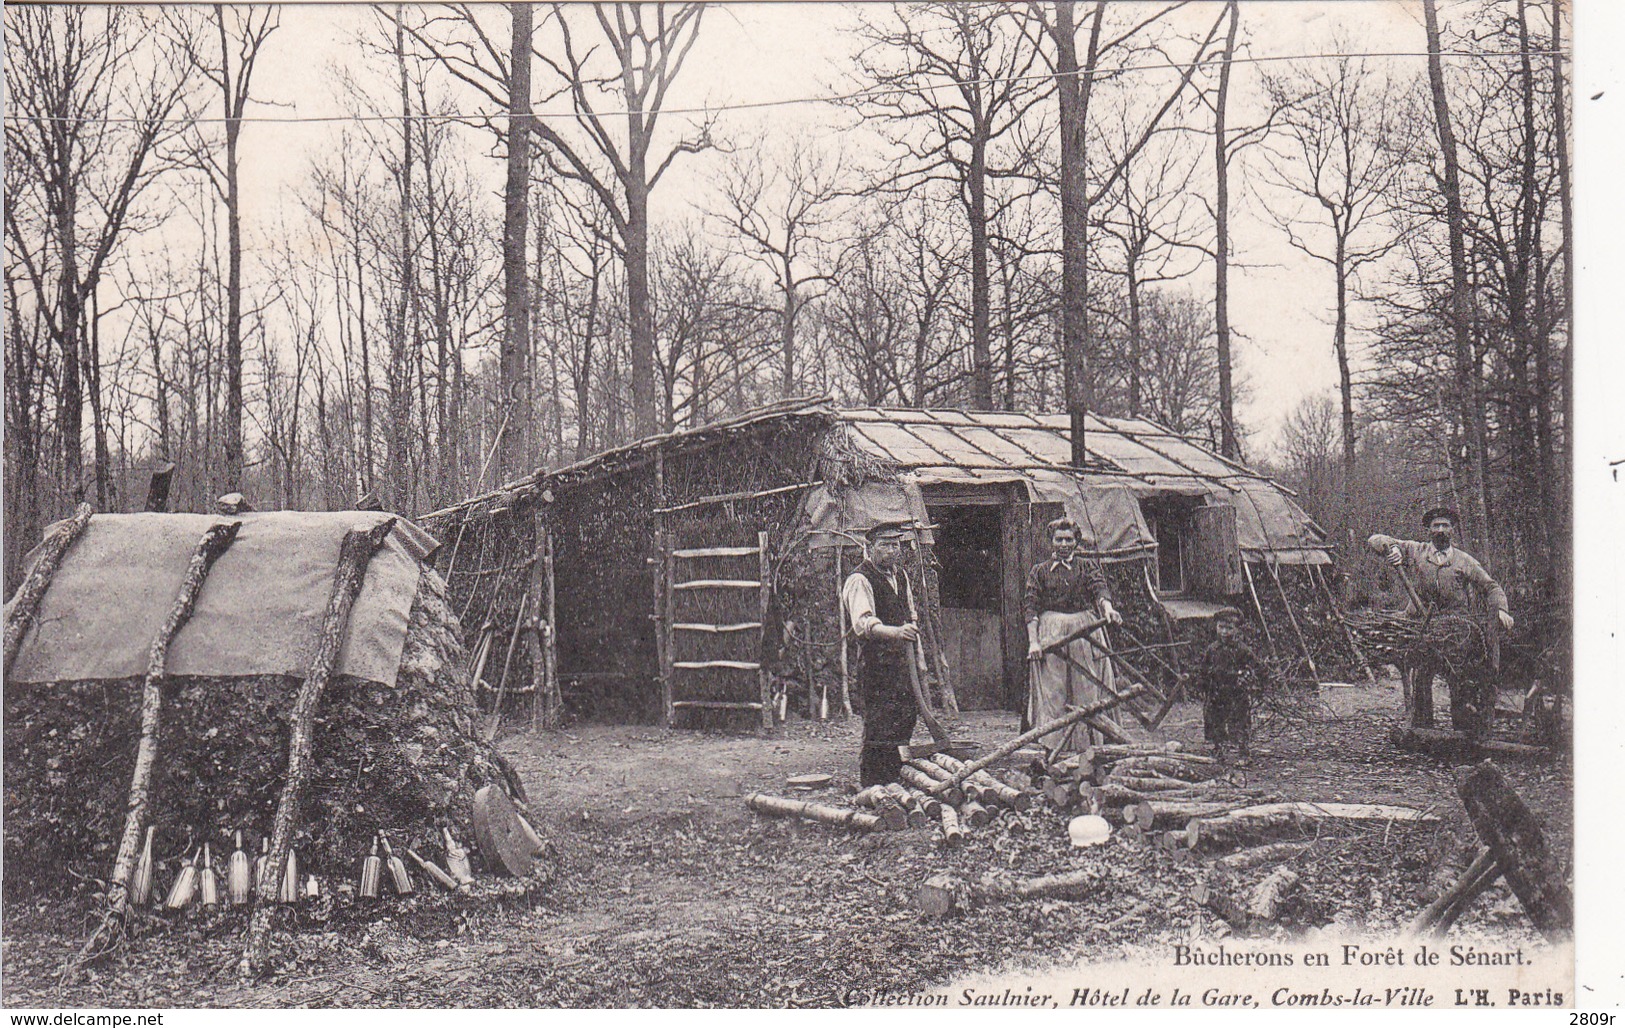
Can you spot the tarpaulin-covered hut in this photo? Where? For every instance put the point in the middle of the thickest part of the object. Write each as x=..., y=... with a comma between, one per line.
x=694, y=575
x=395, y=745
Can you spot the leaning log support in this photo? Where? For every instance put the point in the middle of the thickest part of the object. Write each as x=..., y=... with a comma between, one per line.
x=1519, y=848
x=1066, y=720
x=215, y=541
x=1439, y=915
x=355, y=554
x=26, y=604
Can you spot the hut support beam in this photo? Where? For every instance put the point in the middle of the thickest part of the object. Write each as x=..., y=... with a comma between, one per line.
x=355, y=554
x=32, y=591
x=215, y=541
x=1292, y=619
x=1252, y=590
x=1331, y=601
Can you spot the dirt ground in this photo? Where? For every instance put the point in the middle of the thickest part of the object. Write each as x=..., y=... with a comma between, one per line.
x=667, y=891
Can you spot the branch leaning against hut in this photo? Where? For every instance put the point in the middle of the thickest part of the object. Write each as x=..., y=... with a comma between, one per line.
x=215, y=541
x=355, y=554
x=32, y=591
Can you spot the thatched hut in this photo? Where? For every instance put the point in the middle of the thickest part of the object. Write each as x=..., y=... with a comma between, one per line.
x=642, y=560
x=395, y=740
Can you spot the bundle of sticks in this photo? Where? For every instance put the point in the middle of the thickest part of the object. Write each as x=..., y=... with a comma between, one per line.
x=1460, y=640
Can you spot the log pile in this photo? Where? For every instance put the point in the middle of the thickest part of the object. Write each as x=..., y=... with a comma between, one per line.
x=925, y=796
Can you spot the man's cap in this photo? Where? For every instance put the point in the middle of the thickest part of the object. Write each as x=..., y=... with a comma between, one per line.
x=1435, y=513
x=887, y=530
x=1227, y=614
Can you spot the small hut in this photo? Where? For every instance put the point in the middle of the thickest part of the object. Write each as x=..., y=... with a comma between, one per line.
x=693, y=576
x=395, y=742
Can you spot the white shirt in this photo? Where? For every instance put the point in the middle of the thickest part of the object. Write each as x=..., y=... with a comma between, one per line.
x=858, y=597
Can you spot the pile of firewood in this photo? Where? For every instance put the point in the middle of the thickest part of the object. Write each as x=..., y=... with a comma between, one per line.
x=927, y=794
x=1460, y=641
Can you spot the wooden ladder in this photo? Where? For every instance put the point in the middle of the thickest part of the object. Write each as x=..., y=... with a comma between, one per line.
x=674, y=674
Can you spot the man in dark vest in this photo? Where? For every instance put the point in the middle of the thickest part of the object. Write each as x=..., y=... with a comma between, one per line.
x=879, y=606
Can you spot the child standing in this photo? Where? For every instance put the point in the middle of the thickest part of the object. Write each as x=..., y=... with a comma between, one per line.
x=1222, y=679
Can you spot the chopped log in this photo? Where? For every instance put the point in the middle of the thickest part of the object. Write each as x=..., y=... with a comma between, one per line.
x=1175, y=767
x=1131, y=833
x=1150, y=785
x=1439, y=915
x=1060, y=795
x=1066, y=720
x=1264, y=902
x=940, y=895
x=1109, y=728
x=952, y=834
x=888, y=810
x=1139, y=813
x=1179, y=813
x=974, y=814
x=215, y=541
x=355, y=555
x=1270, y=853
x=1090, y=800
x=928, y=802
x=976, y=792
x=1459, y=748
x=1222, y=904
x=999, y=792
x=1114, y=795
x=823, y=813
x=1514, y=836
x=1253, y=824
x=25, y=603
x=943, y=791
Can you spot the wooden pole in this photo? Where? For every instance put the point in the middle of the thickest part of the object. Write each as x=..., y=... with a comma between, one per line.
x=355, y=554
x=26, y=604
x=764, y=678
x=840, y=621
x=216, y=540
x=553, y=707
x=1354, y=647
x=1071, y=717
x=1247, y=569
x=1292, y=619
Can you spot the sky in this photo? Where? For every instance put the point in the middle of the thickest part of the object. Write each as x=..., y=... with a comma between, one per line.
x=753, y=52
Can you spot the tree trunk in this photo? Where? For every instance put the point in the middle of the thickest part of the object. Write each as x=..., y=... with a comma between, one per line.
x=1519, y=848
x=70, y=316
x=1228, y=445
x=514, y=451
x=787, y=333
x=1345, y=389
x=943, y=894
x=1265, y=901
x=1455, y=746
x=1467, y=377
x=639, y=304
x=822, y=813
x=981, y=343
x=1074, y=109
x=396, y=495
x=1271, y=853
x=233, y=445
x=26, y=602
x=1135, y=340
x=1250, y=825
x=355, y=554
x=1564, y=376
x=216, y=539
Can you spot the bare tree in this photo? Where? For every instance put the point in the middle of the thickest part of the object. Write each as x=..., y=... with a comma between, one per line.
x=1075, y=78
x=1468, y=391
x=89, y=136
x=240, y=34
x=955, y=86
x=1337, y=159
x=782, y=209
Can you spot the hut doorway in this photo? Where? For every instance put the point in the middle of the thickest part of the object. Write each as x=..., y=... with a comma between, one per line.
x=970, y=559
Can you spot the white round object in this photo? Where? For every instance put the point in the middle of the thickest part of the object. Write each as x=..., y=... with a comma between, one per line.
x=1088, y=830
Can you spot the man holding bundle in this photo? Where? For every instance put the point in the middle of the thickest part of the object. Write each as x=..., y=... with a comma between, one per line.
x=1065, y=593
x=1447, y=580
